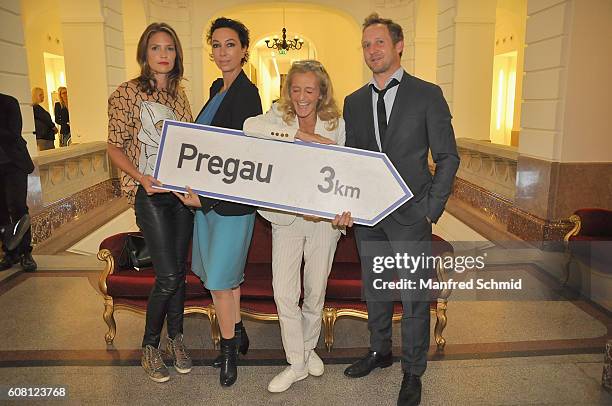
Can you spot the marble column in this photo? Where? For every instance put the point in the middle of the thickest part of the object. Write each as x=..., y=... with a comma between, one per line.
x=95, y=65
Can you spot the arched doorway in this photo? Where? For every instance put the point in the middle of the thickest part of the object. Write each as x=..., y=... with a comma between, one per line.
x=268, y=67
x=330, y=35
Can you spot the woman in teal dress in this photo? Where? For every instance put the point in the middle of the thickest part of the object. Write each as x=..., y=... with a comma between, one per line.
x=222, y=230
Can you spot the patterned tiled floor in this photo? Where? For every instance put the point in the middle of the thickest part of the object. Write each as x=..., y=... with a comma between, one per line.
x=545, y=347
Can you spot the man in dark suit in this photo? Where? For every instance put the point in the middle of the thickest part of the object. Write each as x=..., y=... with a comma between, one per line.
x=15, y=165
x=406, y=118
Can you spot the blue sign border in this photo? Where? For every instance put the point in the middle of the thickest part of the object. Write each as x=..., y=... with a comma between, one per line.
x=407, y=192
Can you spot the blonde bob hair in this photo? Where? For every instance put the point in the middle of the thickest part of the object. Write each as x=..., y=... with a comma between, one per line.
x=327, y=109
x=35, y=92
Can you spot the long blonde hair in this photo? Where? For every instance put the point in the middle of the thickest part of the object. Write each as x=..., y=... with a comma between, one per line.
x=63, y=103
x=327, y=109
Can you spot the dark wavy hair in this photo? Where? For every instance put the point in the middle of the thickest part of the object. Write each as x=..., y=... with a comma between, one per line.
x=241, y=30
x=146, y=80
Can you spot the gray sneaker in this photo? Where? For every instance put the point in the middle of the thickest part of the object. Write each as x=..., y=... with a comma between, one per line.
x=153, y=364
x=176, y=349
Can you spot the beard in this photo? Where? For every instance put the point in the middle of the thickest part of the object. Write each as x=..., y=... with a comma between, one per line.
x=382, y=67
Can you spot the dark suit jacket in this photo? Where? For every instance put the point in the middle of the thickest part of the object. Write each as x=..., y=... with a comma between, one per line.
x=420, y=122
x=62, y=118
x=241, y=102
x=43, y=124
x=12, y=145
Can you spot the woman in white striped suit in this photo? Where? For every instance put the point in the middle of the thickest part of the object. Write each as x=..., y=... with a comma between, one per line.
x=306, y=111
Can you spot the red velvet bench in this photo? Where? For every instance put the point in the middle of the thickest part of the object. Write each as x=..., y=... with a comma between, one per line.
x=128, y=289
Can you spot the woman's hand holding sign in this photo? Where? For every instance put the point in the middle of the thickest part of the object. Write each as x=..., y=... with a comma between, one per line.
x=189, y=198
x=308, y=137
x=147, y=182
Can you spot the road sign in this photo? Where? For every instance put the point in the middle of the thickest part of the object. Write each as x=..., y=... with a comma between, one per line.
x=305, y=178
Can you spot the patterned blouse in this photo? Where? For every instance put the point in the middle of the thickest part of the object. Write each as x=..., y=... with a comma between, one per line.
x=135, y=121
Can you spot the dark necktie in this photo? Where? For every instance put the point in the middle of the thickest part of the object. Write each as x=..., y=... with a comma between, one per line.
x=381, y=111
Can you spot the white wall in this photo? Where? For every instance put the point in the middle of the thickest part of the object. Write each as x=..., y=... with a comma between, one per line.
x=14, y=79
x=95, y=65
x=425, y=40
x=567, y=86
x=134, y=24
x=466, y=32
x=544, y=84
x=43, y=33
x=178, y=14
x=113, y=43
x=588, y=100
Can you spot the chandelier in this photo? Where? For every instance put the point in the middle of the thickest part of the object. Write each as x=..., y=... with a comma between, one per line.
x=283, y=45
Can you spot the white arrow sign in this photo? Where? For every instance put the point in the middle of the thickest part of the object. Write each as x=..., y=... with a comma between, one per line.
x=300, y=177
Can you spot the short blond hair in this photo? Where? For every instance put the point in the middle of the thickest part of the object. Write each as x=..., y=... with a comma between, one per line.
x=327, y=108
x=35, y=91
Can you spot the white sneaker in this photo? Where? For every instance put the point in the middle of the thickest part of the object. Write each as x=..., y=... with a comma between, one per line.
x=285, y=379
x=314, y=363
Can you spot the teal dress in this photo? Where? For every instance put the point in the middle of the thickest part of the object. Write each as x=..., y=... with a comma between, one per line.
x=220, y=243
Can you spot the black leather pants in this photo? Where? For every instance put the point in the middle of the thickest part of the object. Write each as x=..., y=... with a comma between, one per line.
x=13, y=197
x=167, y=226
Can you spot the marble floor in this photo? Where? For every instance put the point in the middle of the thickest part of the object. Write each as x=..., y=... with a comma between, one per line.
x=544, y=347
x=556, y=380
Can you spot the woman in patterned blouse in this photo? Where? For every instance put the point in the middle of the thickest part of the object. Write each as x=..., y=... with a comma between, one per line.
x=136, y=111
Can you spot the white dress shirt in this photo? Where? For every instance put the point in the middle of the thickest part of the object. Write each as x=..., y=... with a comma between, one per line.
x=389, y=100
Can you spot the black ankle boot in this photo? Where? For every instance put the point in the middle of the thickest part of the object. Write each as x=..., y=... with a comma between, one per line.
x=243, y=340
x=229, y=358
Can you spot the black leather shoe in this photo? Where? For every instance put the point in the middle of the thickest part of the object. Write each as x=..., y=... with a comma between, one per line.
x=410, y=393
x=6, y=262
x=243, y=339
x=365, y=365
x=27, y=262
x=229, y=359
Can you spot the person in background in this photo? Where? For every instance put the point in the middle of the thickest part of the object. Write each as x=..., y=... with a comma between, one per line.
x=306, y=111
x=15, y=165
x=136, y=111
x=222, y=231
x=44, y=127
x=62, y=117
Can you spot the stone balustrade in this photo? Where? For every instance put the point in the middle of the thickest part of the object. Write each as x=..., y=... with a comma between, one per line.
x=67, y=184
x=66, y=171
x=490, y=166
